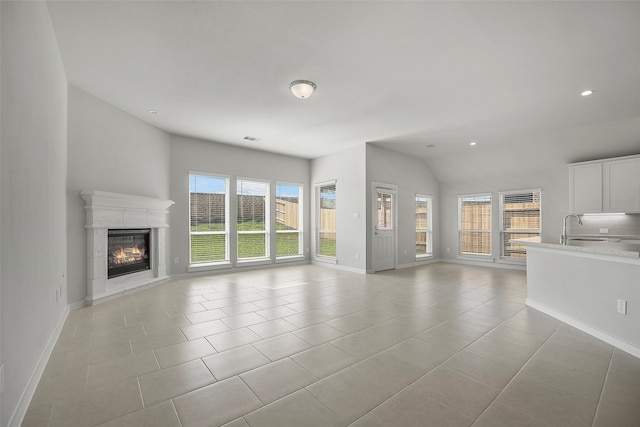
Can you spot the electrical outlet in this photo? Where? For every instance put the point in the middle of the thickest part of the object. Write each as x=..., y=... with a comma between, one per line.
x=357, y=255
x=176, y=260
x=622, y=306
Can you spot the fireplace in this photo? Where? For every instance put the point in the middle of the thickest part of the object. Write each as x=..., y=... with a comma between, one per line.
x=128, y=251
x=125, y=234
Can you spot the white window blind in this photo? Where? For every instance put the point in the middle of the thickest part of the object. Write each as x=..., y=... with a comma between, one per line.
x=208, y=212
x=424, y=237
x=326, y=220
x=520, y=217
x=252, y=219
x=288, y=219
x=475, y=224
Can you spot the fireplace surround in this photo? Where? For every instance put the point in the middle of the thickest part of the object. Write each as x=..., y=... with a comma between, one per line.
x=110, y=211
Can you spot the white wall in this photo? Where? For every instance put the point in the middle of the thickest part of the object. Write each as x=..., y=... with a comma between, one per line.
x=555, y=202
x=347, y=167
x=412, y=177
x=34, y=146
x=108, y=150
x=193, y=155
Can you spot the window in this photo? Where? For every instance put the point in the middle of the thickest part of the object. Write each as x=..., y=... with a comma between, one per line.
x=519, y=218
x=252, y=219
x=326, y=220
x=288, y=220
x=424, y=239
x=475, y=224
x=385, y=211
x=208, y=213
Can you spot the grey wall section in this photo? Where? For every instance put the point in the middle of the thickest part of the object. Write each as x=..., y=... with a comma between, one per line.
x=34, y=161
x=347, y=167
x=412, y=177
x=554, y=183
x=1, y=97
x=194, y=155
x=109, y=150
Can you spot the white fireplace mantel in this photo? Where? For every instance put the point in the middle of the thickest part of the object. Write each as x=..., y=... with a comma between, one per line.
x=106, y=210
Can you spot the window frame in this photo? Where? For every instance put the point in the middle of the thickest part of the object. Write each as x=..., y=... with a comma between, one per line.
x=299, y=230
x=195, y=266
x=318, y=231
x=267, y=222
x=429, y=227
x=502, y=231
x=475, y=255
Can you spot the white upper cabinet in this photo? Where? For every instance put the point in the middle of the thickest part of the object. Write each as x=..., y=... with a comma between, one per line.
x=611, y=185
x=585, y=187
x=622, y=185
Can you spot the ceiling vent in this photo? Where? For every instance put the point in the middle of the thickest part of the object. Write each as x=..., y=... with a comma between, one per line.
x=251, y=138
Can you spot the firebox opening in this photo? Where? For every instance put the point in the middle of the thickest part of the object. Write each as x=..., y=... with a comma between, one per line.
x=128, y=251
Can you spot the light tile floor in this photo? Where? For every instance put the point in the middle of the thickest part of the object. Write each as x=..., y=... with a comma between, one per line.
x=436, y=345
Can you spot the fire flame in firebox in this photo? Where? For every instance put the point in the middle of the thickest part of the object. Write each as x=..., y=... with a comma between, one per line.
x=128, y=255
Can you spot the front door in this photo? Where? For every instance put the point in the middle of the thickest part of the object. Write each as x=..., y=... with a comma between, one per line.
x=384, y=245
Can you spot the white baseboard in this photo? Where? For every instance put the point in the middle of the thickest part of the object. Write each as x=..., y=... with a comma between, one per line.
x=586, y=328
x=485, y=264
x=23, y=404
x=418, y=263
x=340, y=267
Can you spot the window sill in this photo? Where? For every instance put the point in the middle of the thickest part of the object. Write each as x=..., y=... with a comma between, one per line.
x=208, y=266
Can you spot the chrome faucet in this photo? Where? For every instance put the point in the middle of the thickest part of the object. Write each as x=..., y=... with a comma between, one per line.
x=563, y=238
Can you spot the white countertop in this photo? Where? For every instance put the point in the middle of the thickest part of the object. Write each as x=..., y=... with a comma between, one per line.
x=616, y=248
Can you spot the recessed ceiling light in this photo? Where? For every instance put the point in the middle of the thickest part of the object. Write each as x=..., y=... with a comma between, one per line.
x=587, y=92
x=153, y=112
x=472, y=143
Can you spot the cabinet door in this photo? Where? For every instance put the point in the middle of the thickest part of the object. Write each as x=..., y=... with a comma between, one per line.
x=622, y=185
x=585, y=188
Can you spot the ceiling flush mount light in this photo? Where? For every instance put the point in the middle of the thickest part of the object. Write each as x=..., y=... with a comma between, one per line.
x=302, y=88
x=473, y=143
x=154, y=112
x=586, y=92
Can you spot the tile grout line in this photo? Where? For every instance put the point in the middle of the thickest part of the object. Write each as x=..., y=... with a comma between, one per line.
x=516, y=374
x=595, y=415
x=438, y=365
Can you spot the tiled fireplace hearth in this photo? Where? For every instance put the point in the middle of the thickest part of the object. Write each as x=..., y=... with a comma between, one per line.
x=113, y=211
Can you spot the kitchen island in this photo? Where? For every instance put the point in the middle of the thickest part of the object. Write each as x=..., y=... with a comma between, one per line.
x=591, y=285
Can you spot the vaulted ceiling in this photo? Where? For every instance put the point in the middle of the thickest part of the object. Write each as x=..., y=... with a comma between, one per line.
x=401, y=75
